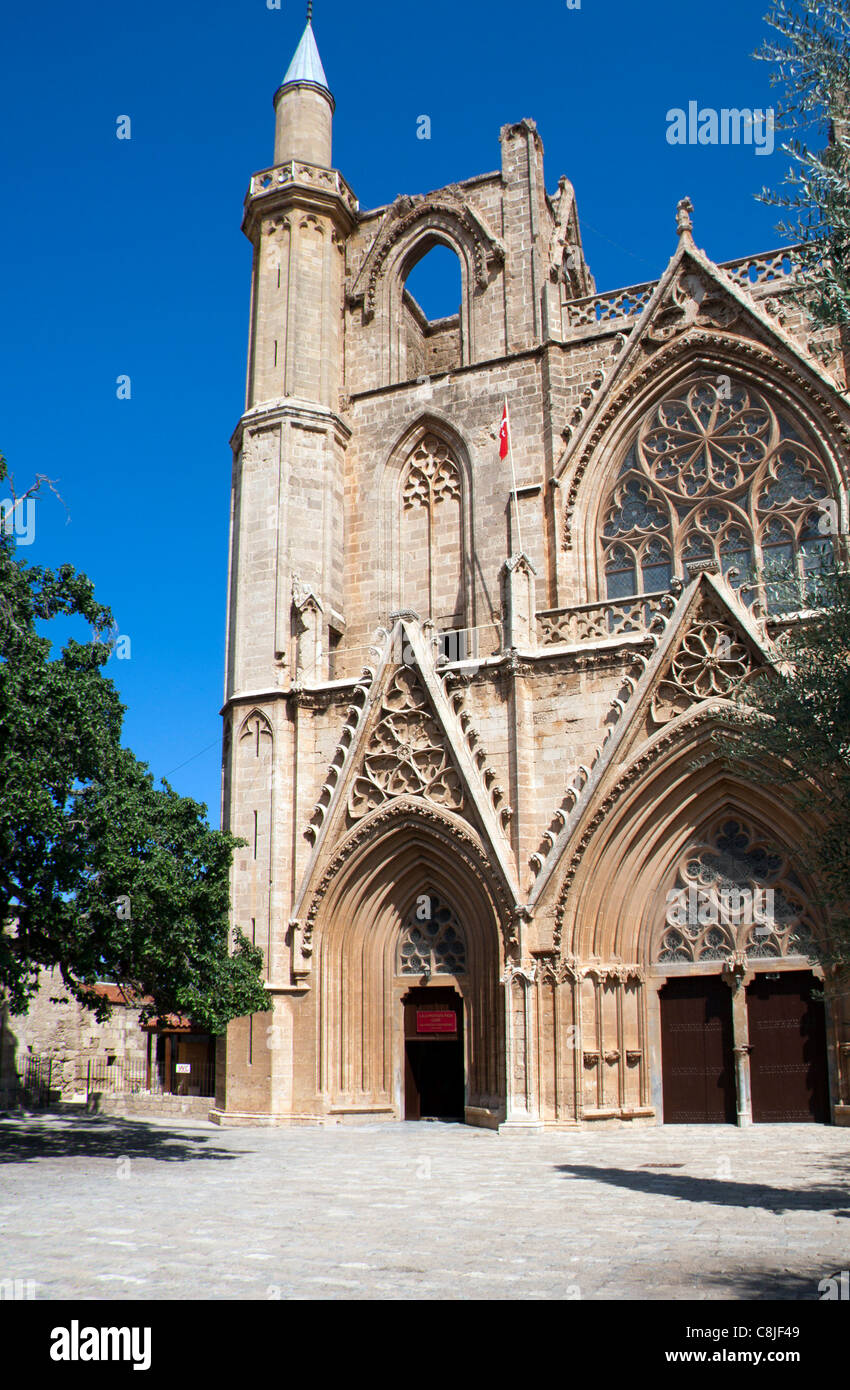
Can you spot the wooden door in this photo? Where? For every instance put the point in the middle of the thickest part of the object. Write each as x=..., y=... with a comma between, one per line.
x=787, y=1048
x=697, y=1062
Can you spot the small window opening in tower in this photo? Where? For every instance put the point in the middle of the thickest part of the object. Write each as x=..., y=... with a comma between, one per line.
x=431, y=307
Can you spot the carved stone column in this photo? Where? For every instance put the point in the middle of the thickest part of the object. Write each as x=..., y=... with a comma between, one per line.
x=742, y=1085
x=737, y=977
x=521, y=1110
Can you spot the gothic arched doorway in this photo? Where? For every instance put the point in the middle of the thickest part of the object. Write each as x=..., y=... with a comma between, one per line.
x=432, y=965
x=380, y=965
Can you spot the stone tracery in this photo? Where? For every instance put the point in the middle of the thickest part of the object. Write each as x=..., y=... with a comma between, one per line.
x=432, y=941
x=735, y=893
x=715, y=475
x=406, y=754
x=431, y=534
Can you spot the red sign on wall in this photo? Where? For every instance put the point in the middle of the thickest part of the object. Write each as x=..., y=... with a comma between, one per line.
x=436, y=1021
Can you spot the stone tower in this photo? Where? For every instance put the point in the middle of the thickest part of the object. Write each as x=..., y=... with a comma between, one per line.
x=469, y=768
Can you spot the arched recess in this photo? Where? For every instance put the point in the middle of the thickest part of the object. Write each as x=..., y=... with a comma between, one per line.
x=729, y=366
x=411, y=350
x=402, y=853
x=430, y=342
x=616, y=900
x=253, y=821
x=427, y=525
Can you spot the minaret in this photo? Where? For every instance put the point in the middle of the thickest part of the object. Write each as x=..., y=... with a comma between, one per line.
x=304, y=106
x=289, y=446
x=286, y=599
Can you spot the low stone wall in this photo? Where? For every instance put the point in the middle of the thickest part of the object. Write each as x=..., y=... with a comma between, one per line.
x=198, y=1107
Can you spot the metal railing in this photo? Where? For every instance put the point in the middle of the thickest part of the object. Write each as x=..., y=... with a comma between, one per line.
x=122, y=1077
x=31, y=1083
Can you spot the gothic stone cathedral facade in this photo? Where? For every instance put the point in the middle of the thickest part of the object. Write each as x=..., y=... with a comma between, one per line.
x=468, y=723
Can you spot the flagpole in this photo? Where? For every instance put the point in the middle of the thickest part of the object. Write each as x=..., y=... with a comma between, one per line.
x=513, y=475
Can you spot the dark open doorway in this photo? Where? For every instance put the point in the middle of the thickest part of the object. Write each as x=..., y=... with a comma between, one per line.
x=433, y=1054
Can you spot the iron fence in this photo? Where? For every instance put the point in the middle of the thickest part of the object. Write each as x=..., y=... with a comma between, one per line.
x=116, y=1076
x=31, y=1082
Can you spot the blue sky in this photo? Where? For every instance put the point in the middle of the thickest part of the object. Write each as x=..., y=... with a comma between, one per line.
x=126, y=256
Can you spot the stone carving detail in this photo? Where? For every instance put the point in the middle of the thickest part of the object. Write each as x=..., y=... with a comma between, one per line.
x=589, y=622
x=633, y=773
x=689, y=300
x=709, y=343
x=714, y=475
x=407, y=755
x=456, y=686
x=455, y=838
x=432, y=942
x=450, y=215
x=709, y=663
x=736, y=894
x=269, y=181
x=769, y=268
x=610, y=308
x=432, y=475
x=662, y=612
x=348, y=738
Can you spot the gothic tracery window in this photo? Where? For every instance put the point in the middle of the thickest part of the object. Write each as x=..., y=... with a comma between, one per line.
x=715, y=474
x=431, y=539
x=735, y=891
x=432, y=941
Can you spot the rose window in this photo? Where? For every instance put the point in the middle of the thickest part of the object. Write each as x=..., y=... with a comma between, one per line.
x=716, y=475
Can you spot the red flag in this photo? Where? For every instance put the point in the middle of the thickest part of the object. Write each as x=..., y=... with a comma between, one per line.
x=504, y=434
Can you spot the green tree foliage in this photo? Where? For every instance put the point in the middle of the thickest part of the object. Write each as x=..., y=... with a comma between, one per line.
x=101, y=873
x=811, y=58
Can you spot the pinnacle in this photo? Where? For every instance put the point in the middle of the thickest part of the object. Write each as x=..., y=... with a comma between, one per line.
x=306, y=65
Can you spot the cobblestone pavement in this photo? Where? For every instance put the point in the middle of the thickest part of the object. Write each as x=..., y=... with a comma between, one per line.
x=92, y=1207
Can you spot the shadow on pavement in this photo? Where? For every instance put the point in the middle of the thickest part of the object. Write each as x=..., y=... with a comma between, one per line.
x=102, y=1137
x=717, y=1192
x=768, y=1284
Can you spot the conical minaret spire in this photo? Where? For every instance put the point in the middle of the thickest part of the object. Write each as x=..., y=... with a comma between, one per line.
x=304, y=106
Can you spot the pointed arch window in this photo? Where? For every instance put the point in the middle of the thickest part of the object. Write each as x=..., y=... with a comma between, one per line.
x=716, y=474
x=431, y=540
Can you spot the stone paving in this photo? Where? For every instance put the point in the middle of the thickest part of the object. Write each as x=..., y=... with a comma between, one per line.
x=97, y=1207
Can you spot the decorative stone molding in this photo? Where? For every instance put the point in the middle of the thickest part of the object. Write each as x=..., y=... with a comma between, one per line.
x=589, y=622
x=404, y=813
x=445, y=213
x=692, y=300
x=456, y=686
x=270, y=181
x=710, y=662
x=407, y=754
x=347, y=741
x=737, y=899
x=747, y=356
x=660, y=619
x=636, y=770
